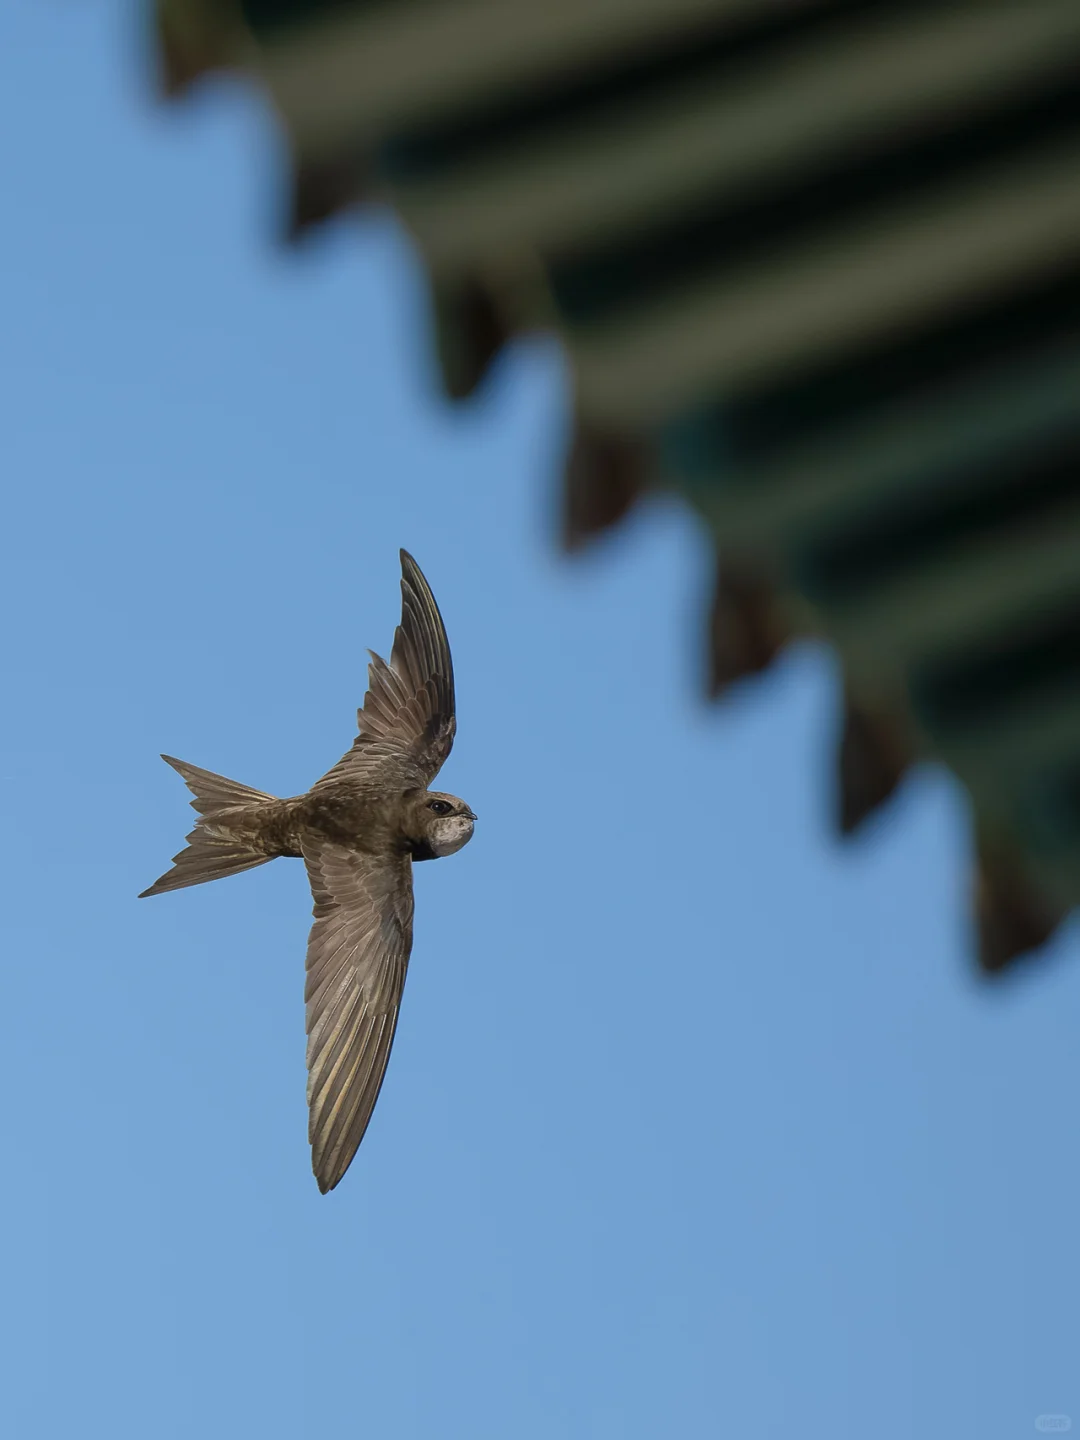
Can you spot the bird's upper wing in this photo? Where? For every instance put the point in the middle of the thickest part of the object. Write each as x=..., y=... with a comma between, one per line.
x=358, y=953
x=407, y=720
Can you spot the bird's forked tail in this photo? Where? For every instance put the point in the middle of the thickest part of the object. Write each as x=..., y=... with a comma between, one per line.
x=211, y=852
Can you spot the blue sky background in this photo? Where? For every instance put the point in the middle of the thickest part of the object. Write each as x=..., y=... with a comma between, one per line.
x=696, y=1123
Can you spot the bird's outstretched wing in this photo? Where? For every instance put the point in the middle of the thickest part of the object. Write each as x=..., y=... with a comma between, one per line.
x=407, y=719
x=358, y=953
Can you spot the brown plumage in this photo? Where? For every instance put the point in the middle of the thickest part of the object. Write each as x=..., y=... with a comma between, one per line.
x=358, y=830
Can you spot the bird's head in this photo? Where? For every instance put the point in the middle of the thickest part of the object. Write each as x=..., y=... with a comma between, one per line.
x=440, y=824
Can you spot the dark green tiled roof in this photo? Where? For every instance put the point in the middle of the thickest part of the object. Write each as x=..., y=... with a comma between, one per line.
x=817, y=266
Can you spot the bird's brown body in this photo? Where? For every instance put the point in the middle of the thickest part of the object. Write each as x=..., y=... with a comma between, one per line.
x=365, y=820
x=358, y=830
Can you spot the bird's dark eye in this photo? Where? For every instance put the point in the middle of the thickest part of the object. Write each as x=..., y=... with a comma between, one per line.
x=440, y=807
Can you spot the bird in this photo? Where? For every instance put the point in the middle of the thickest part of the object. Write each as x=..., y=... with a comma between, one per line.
x=359, y=830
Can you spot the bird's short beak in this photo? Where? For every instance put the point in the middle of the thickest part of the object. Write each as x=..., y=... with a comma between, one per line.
x=469, y=815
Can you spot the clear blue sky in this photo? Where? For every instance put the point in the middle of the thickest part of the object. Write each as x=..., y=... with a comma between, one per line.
x=696, y=1124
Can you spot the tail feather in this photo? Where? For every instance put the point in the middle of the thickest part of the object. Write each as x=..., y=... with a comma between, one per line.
x=210, y=854
x=213, y=792
x=205, y=859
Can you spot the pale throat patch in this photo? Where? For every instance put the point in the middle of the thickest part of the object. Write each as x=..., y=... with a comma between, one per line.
x=449, y=834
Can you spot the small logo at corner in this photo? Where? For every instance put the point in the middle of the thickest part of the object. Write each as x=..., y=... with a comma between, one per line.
x=1053, y=1424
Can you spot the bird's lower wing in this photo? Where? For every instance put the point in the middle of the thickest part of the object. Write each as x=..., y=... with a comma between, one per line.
x=358, y=954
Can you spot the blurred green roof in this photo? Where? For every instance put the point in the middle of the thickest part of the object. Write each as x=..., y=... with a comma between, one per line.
x=816, y=265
